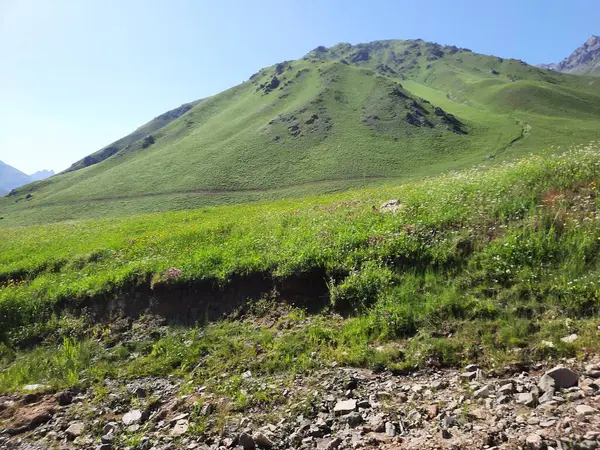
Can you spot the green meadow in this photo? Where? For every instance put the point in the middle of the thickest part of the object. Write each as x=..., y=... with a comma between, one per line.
x=493, y=264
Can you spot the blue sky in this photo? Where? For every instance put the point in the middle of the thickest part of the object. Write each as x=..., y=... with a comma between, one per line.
x=79, y=74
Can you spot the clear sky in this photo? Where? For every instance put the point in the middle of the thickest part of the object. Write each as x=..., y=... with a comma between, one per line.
x=79, y=74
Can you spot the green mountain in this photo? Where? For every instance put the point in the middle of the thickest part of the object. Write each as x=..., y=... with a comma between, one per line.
x=139, y=139
x=340, y=117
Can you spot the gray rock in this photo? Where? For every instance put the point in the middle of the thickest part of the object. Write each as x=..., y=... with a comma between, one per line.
x=527, y=399
x=438, y=384
x=354, y=419
x=391, y=206
x=414, y=417
x=108, y=438
x=533, y=421
x=344, y=407
x=178, y=417
x=207, y=409
x=110, y=428
x=262, y=440
x=133, y=428
x=546, y=383
x=506, y=389
x=137, y=391
x=377, y=423
x=180, y=428
x=503, y=399
x=246, y=441
x=64, y=398
x=484, y=392
x=585, y=410
x=592, y=370
x=390, y=429
x=563, y=377
x=468, y=375
x=75, y=430
x=317, y=430
x=52, y=435
x=534, y=442
x=132, y=417
x=547, y=396
x=448, y=421
x=335, y=443
x=364, y=404
x=295, y=439
x=591, y=435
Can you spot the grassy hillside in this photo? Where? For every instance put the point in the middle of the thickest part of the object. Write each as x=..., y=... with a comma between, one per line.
x=139, y=139
x=488, y=265
x=342, y=117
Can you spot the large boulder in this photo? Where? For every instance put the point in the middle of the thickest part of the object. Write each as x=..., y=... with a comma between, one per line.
x=563, y=377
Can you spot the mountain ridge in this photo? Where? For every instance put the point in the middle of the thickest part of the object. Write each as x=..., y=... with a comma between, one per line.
x=131, y=139
x=338, y=117
x=585, y=60
x=12, y=178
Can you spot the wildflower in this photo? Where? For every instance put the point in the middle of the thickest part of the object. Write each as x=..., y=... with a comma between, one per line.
x=172, y=273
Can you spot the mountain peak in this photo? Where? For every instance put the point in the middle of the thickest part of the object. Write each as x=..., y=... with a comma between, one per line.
x=585, y=60
x=41, y=174
x=593, y=40
x=11, y=178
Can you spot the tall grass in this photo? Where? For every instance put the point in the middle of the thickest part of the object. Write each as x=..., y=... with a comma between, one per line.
x=487, y=265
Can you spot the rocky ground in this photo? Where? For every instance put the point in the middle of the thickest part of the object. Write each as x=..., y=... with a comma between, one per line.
x=336, y=408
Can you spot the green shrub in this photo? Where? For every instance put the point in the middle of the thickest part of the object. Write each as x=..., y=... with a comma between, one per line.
x=360, y=288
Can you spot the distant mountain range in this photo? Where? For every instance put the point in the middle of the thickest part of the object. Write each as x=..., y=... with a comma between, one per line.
x=583, y=61
x=11, y=178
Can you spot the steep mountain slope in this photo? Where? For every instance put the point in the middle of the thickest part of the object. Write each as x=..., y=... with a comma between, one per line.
x=137, y=137
x=585, y=60
x=11, y=178
x=343, y=116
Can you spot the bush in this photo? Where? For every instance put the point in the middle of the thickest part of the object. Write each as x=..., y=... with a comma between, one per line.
x=361, y=288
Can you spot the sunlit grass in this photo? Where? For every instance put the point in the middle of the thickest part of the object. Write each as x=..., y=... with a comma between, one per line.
x=487, y=265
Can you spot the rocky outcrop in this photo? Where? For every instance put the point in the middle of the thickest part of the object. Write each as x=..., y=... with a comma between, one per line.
x=11, y=178
x=585, y=60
